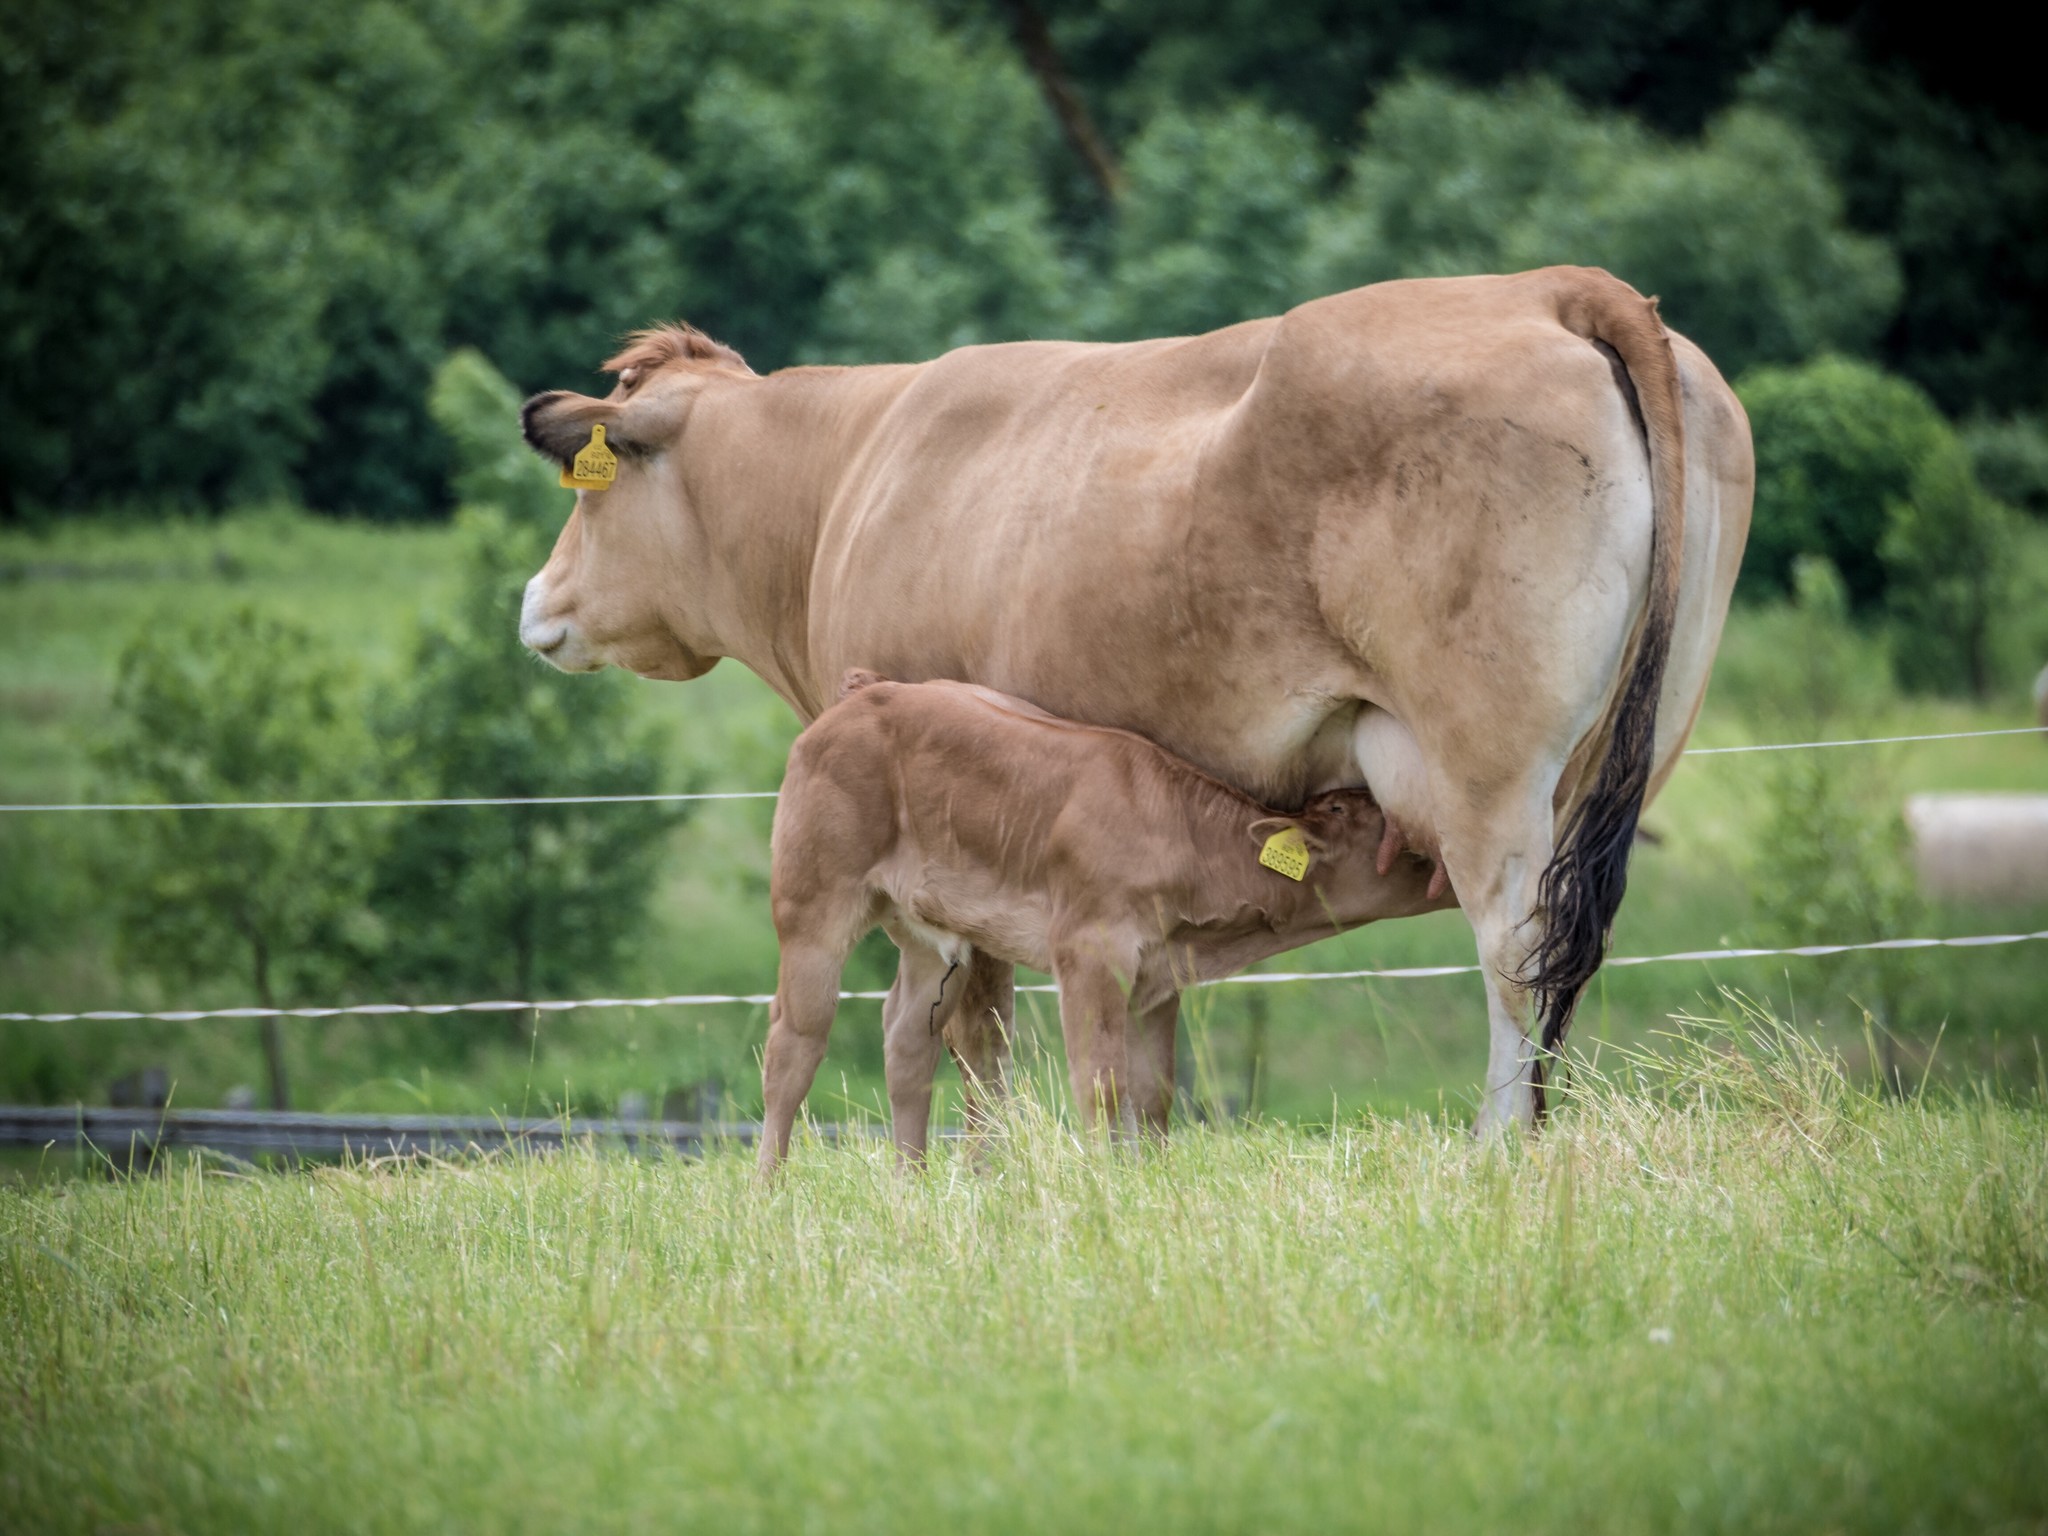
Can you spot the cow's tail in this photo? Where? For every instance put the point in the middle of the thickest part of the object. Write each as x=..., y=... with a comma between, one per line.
x=1582, y=887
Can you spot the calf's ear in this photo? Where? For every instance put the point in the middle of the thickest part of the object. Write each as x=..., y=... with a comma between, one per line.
x=1266, y=826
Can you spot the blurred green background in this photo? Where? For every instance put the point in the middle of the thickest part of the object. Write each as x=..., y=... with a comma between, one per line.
x=272, y=280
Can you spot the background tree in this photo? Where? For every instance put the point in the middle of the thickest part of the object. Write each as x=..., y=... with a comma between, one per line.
x=515, y=901
x=243, y=707
x=1741, y=232
x=249, y=232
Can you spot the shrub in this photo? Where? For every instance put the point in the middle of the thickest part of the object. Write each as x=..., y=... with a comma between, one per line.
x=1838, y=444
x=2011, y=460
x=1211, y=229
x=1948, y=566
x=1831, y=860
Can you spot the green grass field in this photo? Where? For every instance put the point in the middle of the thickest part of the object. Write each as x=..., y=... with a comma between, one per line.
x=1728, y=1292
x=71, y=598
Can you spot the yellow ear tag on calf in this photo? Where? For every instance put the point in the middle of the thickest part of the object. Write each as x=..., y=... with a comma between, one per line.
x=596, y=466
x=1287, y=852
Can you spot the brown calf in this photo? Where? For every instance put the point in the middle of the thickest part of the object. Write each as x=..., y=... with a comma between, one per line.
x=969, y=820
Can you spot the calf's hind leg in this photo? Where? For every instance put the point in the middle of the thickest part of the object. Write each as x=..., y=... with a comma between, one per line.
x=922, y=1001
x=799, y=1023
x=979, y=1034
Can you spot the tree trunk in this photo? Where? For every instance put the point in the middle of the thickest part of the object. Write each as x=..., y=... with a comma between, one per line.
x=1034, y=40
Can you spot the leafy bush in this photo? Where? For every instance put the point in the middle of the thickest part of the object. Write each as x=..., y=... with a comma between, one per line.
x=1838, y=444
x=1212, y=225
x=1948, y=562
x=2011, y=460
x=1831, y=859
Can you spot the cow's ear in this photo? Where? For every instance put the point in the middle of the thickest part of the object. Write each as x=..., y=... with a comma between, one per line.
x=557, y=424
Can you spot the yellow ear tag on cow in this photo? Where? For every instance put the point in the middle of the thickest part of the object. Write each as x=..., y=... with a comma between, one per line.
x=595, y=467
x=1287, y=852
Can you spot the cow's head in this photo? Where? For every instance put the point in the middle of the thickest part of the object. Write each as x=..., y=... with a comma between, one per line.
x=609, y=594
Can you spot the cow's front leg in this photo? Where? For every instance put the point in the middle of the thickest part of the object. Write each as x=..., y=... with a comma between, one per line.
x=922, y=1002
x=979, y=1035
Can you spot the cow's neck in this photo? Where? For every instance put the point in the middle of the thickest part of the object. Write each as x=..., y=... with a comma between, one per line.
x=762, y=460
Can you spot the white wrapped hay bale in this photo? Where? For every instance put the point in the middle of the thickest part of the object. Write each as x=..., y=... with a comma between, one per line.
x=1981, y=847
x=2041, y=698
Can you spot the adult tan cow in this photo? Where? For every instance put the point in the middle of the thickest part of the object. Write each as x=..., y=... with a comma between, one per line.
x=1467, y=541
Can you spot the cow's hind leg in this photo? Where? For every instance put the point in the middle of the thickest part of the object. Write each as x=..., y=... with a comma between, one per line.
x=1495, y=855
x=922, y=1002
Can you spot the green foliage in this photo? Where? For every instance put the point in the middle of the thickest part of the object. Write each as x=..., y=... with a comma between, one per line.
x=1838, y=443
x=477, y=411
x=250, y=237
x=2011, y=460
x=1322, y=63
x=1858, y=467
x=1948, y=554
x=1942, y=159
x=241, y=707
x=1832, y=864
x=1960, y=193
x=515, y=901
x=1216, y=211
x=238, y=240
x=1742, y=234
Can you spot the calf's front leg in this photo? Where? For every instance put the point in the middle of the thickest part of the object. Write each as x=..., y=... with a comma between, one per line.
x=1150, y=1045
x=1094, y=1019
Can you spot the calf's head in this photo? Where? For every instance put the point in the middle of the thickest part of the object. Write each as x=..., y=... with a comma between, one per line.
x=616, y=589
x=1345, y=831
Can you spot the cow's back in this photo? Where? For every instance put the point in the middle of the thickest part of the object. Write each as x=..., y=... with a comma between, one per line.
x=1227, y=542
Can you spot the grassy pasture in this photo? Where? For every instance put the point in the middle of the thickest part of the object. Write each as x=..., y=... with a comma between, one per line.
x=1730, y=1291
x=72, y=596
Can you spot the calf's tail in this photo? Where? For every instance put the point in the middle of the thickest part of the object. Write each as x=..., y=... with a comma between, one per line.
x=1581, y=889
x=857, y=678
